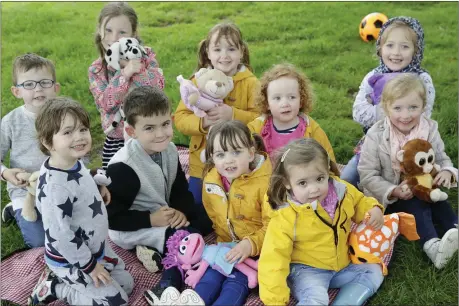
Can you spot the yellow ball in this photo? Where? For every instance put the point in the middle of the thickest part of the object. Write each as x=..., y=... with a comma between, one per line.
x=370, y=26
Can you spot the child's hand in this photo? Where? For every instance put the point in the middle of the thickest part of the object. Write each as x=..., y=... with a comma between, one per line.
x=240, y=252
x=402, y=192
x=376, y=220
x=178, y=220
x=100, y=274
x=161, y=217
x=443, y=178
x=133, y=66
x=206, y=122
x=105, y=194
x=10, y=175
x=220, y=113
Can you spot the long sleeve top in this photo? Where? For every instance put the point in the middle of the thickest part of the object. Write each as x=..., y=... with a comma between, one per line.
x=109, y=93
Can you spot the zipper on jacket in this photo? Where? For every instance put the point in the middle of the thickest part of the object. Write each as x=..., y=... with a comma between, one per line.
x=333, y=227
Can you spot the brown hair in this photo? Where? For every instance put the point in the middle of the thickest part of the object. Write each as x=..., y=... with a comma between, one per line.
x=399, y=87
x=300, y=152
x=145, y=101
x=232, y=133
x=110, y=10
x=398, y=24
x=31, y=61
x=50, y=117
x=232, y=34
x=279, y=71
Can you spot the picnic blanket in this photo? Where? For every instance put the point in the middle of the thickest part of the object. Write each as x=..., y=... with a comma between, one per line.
x=19, y=272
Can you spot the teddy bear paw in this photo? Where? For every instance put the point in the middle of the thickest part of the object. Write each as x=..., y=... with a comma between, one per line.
x=438, y=195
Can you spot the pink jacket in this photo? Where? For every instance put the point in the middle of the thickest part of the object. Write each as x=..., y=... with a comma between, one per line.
x=109, y=94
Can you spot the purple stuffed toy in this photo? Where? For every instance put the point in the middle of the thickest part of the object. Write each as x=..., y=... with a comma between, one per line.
x=377, y=82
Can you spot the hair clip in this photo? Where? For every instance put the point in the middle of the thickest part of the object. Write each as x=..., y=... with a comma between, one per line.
x=284, y=155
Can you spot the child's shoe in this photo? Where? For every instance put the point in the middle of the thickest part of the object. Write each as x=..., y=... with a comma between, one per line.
x=447, y=248
x=170, y=296
x=440, y=251
x=44, y=291
x=8, y=213
x=150, y=258
x=190, y=297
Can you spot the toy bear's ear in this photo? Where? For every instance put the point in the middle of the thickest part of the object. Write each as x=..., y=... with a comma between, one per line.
x=112, y=56
x=200, y=72
x=400, y=155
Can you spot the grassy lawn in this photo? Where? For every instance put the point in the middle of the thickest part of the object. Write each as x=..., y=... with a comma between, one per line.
x=320, y=38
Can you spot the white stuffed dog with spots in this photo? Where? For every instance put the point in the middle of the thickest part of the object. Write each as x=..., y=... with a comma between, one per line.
x=124, y=49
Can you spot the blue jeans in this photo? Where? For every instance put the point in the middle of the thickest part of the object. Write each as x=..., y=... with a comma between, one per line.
x=195, y=186
x=310, y=285
x=217, y=289
x=32, y=232
x=350, y=173
x=425, y=215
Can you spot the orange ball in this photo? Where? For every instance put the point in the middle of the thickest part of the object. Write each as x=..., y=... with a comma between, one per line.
x=370, y=26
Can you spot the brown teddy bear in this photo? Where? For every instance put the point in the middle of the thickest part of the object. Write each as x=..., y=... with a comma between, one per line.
x=212, y=87
x=417, y=162
x=28, y=211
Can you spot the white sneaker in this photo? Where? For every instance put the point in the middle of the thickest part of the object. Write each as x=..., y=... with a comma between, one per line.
x=190, y=297
x=150, y=258
x=447, y=248
x=170, y=296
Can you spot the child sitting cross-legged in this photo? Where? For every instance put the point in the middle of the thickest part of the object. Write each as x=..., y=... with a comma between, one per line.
x=149, y=191
x=81, y=266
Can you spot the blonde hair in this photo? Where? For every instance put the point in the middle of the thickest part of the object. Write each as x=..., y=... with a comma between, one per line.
x=232, y=134
x=231, y=33
x=399, y=87
x=398, y=24
x=298, y=152
x=50, y=117
x=110, y=10
x=279, y=71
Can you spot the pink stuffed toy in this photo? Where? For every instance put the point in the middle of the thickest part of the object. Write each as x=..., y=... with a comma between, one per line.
x=188, y=251
x=211, y=89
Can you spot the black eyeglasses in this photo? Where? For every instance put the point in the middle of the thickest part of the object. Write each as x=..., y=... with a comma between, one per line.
x=29, y=85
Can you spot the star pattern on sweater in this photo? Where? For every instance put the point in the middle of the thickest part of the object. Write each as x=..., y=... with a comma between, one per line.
x=115, y=300
x=91, y=233
x=67, y=208
x=94, y=303
x=74, y=176
x=81, y=233
x=52, y=249
x=96, y=207
x=80, y=279
x=42, y=181
x=48, y=236
x=67, y=279
x=78, y=241
x=41, y=195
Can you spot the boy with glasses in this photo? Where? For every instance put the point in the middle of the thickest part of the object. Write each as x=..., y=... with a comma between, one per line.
x=34, y=81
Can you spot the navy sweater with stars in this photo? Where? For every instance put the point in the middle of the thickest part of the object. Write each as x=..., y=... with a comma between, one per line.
x=74, y=217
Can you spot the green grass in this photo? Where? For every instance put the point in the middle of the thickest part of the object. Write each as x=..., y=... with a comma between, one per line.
x=320, y=38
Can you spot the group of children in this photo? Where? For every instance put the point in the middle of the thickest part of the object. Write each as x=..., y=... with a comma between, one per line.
x=269, y=183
